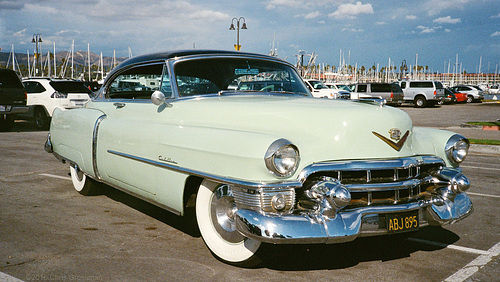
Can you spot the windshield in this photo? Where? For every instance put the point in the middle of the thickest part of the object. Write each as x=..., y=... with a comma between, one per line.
x=70, y=87
x=316, y=84
x=213, y=75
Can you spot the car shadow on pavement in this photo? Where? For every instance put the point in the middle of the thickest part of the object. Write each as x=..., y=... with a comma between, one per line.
x=345, y=255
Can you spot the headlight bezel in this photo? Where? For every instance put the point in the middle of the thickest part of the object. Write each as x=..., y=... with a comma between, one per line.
x=457, y=149
x=276, y=164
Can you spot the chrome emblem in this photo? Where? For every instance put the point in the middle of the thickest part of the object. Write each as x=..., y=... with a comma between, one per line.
x=394, y=135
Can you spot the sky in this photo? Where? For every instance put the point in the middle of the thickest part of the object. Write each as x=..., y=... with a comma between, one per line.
x=363, y=33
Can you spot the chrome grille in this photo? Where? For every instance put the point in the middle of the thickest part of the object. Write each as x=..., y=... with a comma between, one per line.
x=379, y=182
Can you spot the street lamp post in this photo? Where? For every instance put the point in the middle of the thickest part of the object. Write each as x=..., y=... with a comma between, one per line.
x=37, y=38
x=237, y=47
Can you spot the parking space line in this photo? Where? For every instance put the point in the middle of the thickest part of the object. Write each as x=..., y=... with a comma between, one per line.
x=459, y=248
x=482, y=168
x=471, y=268
x=484, y=195
x=55, y=176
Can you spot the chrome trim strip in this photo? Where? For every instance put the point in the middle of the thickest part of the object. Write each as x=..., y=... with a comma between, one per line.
x=215, y=178
x=94, y=146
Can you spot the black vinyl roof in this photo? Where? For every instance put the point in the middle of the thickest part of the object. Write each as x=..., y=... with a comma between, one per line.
x=182, y=53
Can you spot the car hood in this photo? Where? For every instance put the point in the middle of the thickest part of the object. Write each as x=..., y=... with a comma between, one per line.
x=322, y=129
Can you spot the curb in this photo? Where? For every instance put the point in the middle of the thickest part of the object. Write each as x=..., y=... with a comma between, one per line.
x=484, y=149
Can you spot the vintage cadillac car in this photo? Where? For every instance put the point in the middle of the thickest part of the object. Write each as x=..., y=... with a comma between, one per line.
x=273, y=165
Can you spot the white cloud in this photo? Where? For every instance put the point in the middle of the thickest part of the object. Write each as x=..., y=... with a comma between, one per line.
x=283, y=3
x=411, y=17
x=434, y=7
x=425, y=29
x=352, y=10
x=448, y=20
x=21, y=33
x=496, y=33
x=349, y=29
x=312, y=15
x=495, y=16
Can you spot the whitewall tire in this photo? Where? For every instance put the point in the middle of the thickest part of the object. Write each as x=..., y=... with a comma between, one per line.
x=81, y=182
x=215, y=211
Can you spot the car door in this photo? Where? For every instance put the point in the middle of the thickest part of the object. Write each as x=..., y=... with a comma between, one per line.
x=129, y=131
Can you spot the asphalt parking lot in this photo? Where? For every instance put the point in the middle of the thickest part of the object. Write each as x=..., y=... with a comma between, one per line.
x=49, y=232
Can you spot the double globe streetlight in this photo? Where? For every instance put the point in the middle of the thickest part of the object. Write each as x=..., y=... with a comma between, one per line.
x=237, y=47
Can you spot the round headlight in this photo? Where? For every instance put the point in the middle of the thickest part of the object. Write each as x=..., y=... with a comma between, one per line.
x=282, y=158
x=457, y=148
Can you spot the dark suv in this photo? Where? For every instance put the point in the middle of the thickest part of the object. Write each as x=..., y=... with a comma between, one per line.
x=12, y=98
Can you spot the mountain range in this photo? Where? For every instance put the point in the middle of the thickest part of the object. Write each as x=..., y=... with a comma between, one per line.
x=79, y=58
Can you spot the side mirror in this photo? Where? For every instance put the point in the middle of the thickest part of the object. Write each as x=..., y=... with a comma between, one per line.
x=158, y=98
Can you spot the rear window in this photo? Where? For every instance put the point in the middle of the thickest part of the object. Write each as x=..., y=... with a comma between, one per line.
x=381, y=87
x=422, y=84
x=70, y=87
x=438, y=85
x=10, y=79
x=396, y=88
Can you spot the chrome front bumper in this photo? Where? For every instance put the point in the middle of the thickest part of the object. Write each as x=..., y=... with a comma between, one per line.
x=347, y=225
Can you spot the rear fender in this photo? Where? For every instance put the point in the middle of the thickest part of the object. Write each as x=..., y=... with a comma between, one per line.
x=72, y=135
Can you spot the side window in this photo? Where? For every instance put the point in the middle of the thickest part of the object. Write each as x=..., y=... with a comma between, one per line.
x=138, y=83
x=362, y=88
x=403, y=84
x=33, y=87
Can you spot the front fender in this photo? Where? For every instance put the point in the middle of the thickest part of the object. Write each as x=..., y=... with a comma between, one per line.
x=430, y=141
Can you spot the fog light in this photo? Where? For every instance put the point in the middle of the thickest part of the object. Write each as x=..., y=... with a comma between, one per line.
x=278, y=202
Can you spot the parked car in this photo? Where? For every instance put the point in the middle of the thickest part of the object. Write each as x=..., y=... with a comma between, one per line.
x=391, y=92
x=422, y=93
x=459, y=97
x=343, y=91
x=12, y=98
x=493, y=89
x=260, y=166
x=47, y=94
x=320, y=90
x=474, y=93
x=449, y=97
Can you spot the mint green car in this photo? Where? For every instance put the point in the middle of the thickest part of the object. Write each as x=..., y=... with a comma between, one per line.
x=262, y=164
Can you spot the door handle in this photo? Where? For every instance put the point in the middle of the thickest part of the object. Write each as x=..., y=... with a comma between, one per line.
x=119, y=105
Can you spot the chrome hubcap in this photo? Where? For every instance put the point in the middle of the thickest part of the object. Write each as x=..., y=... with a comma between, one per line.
x=223, y=213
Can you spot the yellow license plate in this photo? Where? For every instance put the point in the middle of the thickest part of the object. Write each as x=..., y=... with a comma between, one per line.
x=402, y=222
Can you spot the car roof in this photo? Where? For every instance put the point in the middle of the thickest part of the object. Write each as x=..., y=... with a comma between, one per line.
x=183, y=53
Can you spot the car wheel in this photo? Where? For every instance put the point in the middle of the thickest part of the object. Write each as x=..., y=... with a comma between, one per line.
x=6, y=123
x=470, y=98
x=420, y=102
x=82, y=183
x=215, y=214
x=42, y=121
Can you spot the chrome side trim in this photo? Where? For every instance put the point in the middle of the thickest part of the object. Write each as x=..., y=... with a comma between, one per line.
x=215, y=178
x=94, y=146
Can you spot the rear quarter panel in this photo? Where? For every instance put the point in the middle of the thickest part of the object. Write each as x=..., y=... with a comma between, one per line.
x=72, y=135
